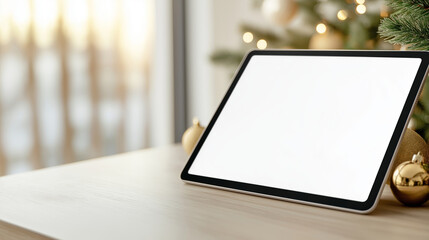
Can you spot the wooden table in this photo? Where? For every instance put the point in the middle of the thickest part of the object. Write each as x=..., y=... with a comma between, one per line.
x=139, y=195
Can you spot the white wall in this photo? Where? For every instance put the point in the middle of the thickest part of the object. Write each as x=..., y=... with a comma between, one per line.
x=161, y=92
x=211, y=25
x=199, y=70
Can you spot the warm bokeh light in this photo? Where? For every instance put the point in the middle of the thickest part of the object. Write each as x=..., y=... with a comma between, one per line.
x=5, y=30
x=247, y=37
x=342, y=15
x=20, y=19
x=262, y=44
x=321, y=28
x=106, y=22
x=360, y=1
x=112, y=23
x=384, y=11
x=45, y=21
x=361, y=9
x=135, y=21
x=75, y=15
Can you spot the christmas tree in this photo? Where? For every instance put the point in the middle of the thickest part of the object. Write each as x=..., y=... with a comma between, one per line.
x=314, y=24
x=408, y=26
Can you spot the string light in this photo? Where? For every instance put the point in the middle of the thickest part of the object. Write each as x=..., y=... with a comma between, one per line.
x=247, y=37
x=321, y=28
x=342, y=15
x=262, y=44
x=361, y=9
x=360, y=2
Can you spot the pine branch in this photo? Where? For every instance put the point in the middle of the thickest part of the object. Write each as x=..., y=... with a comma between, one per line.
x=398, y=4
x=410, y=8
x=227, y=57
x=260, y=33
x=405, y=31
x=408, y=25
x=290, y=39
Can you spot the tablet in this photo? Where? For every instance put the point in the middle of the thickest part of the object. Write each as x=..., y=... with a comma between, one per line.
x=314, y=127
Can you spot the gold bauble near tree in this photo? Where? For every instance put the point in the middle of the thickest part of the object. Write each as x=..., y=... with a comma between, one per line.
x=191, y=135
x=327, y=40
x=279, y=12
x=410, y=182
x=411, y=144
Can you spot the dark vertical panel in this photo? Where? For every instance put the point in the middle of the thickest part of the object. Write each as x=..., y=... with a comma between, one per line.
x=93, y=78
x=3, y=160
x=179, y=68
x=68, y=152
x=146, y=102
x=34, y=107
x=121, y=89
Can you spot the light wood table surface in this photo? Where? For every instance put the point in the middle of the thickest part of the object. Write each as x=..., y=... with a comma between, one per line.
x=139, y=195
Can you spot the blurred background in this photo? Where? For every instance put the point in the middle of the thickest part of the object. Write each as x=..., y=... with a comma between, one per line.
x=88, y=78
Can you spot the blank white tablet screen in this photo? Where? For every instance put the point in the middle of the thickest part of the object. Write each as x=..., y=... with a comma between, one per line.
x=312, y=124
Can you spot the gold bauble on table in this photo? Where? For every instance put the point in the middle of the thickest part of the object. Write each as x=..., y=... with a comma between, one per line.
x=191, y=136
x=411, y=144
x=410, y=182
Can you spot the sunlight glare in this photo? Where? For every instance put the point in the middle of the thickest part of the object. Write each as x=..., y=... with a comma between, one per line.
x=105, y=20
x=76, y=22
x=21, y=16
x=135, y=28
x=5, y=34
x=45, y=21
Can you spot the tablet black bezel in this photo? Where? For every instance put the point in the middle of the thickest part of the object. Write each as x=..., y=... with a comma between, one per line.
x=306, y=197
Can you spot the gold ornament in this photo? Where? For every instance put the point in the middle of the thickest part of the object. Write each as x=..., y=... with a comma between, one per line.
x=191, y=136
x=326, y=40
x=410, y=182
x=279, y=12
x=411, y=144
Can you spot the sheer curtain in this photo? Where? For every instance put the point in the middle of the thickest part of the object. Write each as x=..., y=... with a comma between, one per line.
x=83, y=78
